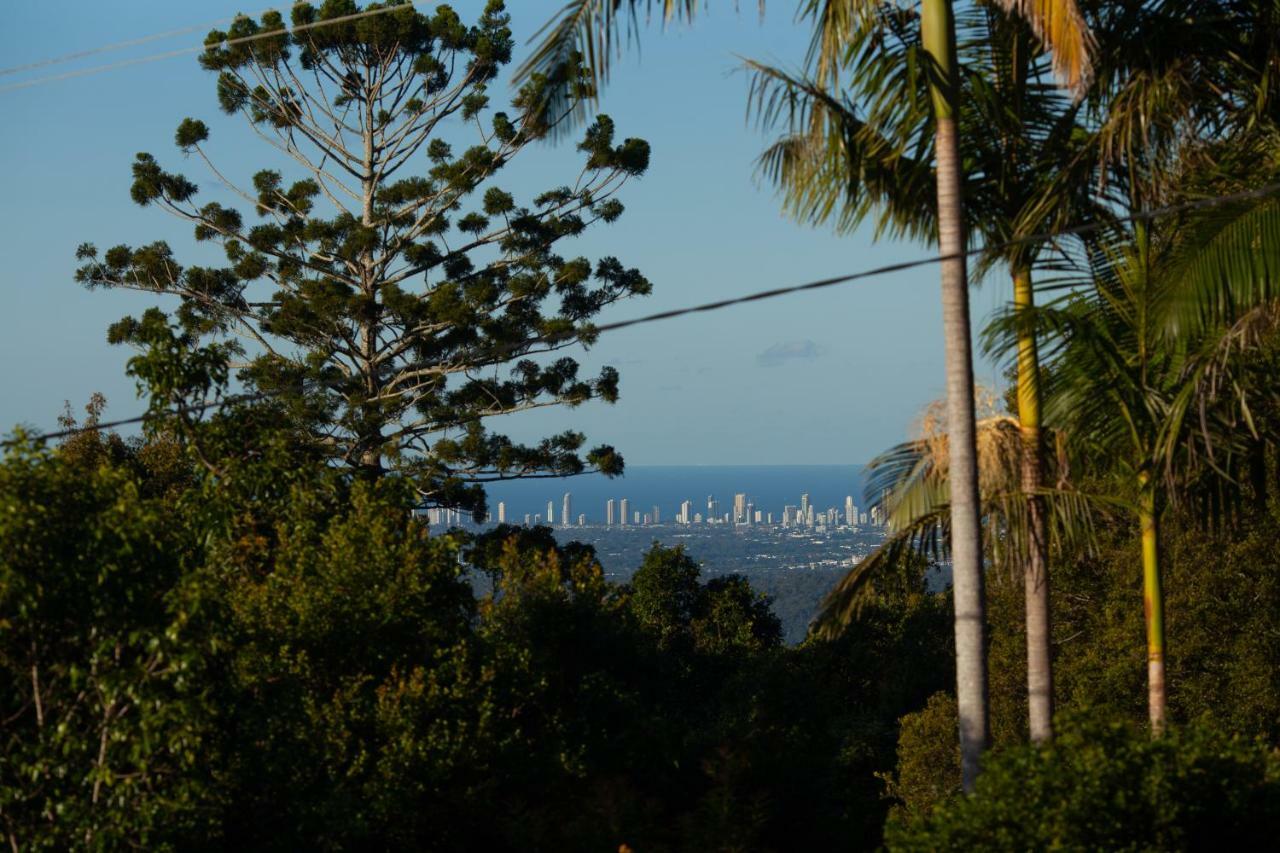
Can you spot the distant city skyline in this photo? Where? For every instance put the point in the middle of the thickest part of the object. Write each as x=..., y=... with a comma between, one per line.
x=661, y=492
x=617, y=512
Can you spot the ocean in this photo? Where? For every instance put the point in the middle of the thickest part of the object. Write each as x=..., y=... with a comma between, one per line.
x=769, y=487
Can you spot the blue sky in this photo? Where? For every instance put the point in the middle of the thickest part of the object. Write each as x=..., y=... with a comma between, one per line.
x=833, y=376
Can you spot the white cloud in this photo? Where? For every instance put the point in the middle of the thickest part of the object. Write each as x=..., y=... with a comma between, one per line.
x=781, y=353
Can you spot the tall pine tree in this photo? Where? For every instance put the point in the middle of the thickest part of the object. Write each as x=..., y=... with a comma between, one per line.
x=381, y=286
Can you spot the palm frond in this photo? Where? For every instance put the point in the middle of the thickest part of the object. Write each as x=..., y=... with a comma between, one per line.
x=846, y=599
x=908, y=485
x=1209, y=421
x=591, y=33
x=1062, y=30
x=836, y=25
x=1225, y=262
x=832, y=167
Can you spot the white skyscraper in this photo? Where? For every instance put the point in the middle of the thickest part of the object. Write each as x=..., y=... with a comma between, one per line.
x=610, y=508
x=739, y=508
x=626, y=511
x=850, y=511
x=657, y=515
x=582, y=519
x=551, y=512
x=566, y=509
x=502, y=512
x=686, y=512
x=804, y=506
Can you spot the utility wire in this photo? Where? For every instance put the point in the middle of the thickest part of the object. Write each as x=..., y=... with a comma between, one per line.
x=97, y=69
x=1141, y=216
x=121, y=45
x=1074, y=231
x=180, y=410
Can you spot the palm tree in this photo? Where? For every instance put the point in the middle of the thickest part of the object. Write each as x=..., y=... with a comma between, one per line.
x=1166, y=77
x=865, y=151
x=589, y=30
x=1185, y=109
x=1149, y=399
x=1144, y=372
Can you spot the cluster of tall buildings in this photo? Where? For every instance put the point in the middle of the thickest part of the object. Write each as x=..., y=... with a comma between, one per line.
x=805, y=514
x=441, y=517
x=619, y=513
x=531, y=519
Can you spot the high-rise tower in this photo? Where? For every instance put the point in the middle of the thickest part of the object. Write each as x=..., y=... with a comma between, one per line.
x=566, y=509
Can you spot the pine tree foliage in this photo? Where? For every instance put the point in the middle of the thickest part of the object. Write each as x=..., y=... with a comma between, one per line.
x=379, y=281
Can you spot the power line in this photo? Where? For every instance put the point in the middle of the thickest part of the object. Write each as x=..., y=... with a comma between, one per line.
x=137, y=419
x=97, y=69
x=1141, y=216
x=1075, y=231
x=121, y=45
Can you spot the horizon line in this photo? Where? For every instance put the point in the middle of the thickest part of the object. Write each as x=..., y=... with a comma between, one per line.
x=742, y=465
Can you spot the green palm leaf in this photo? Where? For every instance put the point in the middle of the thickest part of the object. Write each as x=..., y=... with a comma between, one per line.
x=1225, y=261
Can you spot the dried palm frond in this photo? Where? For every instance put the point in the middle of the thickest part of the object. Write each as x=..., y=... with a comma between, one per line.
x=908, y=486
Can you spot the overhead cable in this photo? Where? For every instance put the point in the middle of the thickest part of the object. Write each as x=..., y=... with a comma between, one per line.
x=121, y=45
x=97, y=69
x=1141, y=216
x=1075, y=231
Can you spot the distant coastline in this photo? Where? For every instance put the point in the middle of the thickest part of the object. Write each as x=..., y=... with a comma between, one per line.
x=769, y=487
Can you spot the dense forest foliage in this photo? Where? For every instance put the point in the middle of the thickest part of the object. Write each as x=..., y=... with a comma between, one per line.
x=277, y=655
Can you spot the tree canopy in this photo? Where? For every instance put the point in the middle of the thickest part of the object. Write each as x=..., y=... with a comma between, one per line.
x=376, y=276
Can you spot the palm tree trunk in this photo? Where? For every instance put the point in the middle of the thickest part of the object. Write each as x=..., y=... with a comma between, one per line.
x=1153, y=603
x=1036, y=568
x=938, y=35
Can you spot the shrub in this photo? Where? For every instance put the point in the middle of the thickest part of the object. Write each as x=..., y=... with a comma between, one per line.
x=1108, y=786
